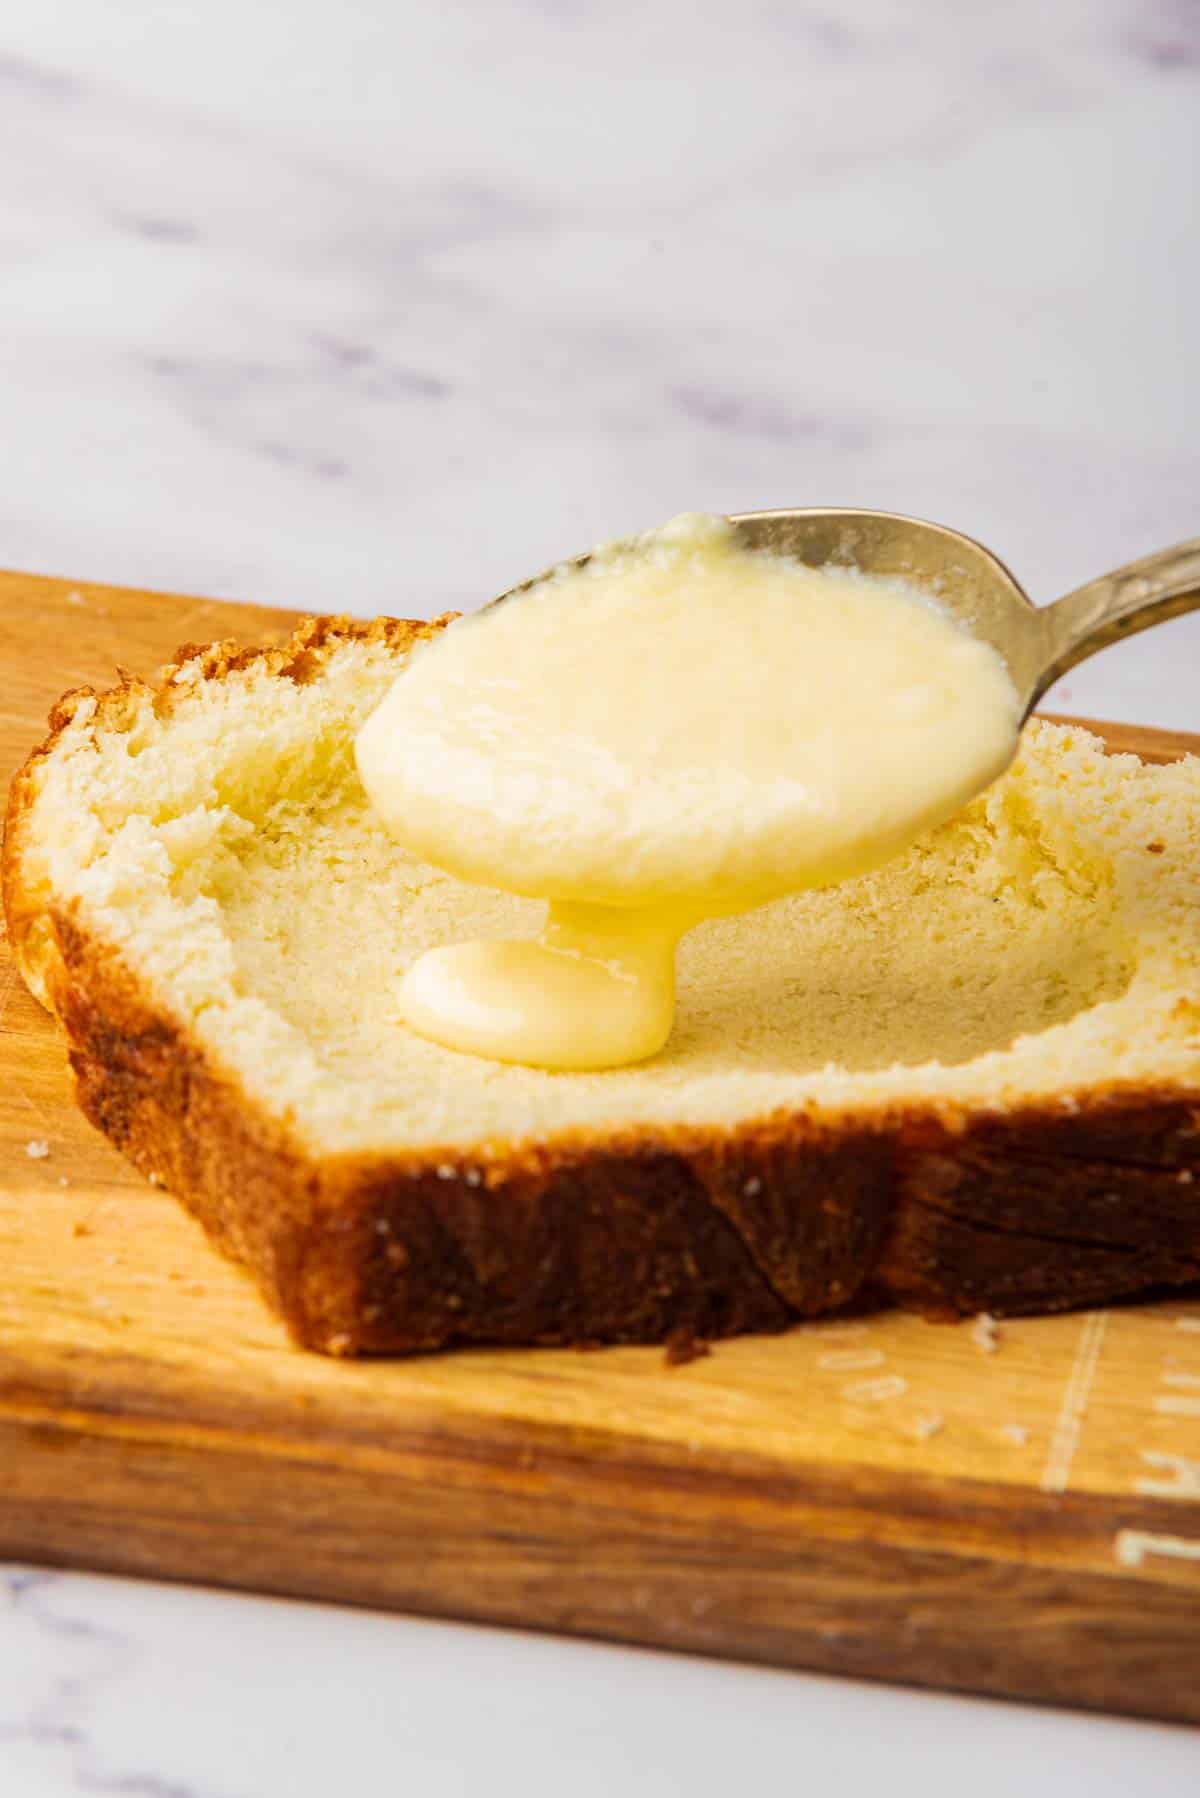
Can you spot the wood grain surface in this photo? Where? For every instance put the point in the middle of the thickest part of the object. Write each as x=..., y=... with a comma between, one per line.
x=1017, y=1514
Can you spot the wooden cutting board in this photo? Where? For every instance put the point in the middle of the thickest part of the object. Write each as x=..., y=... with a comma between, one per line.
x=883, y=1497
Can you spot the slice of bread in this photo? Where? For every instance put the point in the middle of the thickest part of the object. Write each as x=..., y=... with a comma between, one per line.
x=968, y=1081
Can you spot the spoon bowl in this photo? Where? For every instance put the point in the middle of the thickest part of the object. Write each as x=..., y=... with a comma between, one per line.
x=1036, y=643
x=966, y=579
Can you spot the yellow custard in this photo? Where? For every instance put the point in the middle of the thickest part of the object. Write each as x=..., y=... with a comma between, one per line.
x=680, y=728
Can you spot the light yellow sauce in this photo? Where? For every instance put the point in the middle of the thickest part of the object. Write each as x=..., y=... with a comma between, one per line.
x=679, y=729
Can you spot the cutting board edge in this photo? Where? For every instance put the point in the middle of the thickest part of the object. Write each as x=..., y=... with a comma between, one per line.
x=949, y=1616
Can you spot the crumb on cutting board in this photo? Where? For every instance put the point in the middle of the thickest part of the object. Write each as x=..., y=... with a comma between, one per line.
x=983, y=1333
x=37, y=1148
x=683, y=1346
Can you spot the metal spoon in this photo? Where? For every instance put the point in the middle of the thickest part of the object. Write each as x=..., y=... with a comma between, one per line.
x=1038, y=643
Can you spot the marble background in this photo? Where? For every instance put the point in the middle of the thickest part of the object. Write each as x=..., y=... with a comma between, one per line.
x=382, y=304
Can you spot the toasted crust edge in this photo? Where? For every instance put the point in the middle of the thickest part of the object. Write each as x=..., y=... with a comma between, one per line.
x=677, y=1235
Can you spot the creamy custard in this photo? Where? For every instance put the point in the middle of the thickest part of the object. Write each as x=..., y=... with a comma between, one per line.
x=681, y=728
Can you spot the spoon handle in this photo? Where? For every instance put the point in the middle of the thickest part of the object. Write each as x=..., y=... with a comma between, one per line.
x=1119, y=604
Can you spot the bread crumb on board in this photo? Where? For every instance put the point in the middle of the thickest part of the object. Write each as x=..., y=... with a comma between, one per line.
x=983, y=1333
x=1015, y=1433
x=683, y=1346
x=37, y=1149
x=928, y=1424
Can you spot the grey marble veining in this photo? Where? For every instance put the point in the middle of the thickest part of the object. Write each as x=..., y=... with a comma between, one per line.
x=383, y=304
x=57, y=1663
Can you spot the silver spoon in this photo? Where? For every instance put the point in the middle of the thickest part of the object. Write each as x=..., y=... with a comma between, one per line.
x=1037, y=643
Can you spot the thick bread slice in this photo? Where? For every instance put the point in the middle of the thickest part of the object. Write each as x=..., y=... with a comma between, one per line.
x=970, y=1080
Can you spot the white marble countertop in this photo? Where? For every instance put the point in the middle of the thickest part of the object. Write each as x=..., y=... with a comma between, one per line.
x=381, y=304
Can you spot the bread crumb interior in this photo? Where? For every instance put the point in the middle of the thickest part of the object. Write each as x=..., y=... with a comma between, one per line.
x=1036, y=945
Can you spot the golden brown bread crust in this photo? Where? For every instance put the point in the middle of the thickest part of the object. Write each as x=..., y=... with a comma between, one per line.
x=677, y=1235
